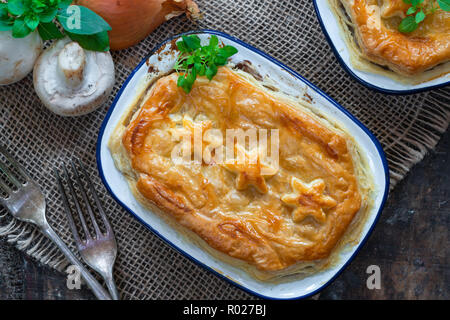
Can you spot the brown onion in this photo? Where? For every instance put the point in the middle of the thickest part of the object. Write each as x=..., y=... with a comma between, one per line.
x=133, y=20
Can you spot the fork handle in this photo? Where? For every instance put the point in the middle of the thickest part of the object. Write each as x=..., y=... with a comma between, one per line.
x=96, y=287
x=112, y=287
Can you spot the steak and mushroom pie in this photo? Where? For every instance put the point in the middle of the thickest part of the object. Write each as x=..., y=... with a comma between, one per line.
x=283, y=205
x=371, y=29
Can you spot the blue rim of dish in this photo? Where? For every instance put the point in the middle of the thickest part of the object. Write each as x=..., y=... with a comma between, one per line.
x=356, y=77
x=278, y=63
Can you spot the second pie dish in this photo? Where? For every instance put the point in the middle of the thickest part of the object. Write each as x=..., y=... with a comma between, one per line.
x=280, y=231
x=369, y=43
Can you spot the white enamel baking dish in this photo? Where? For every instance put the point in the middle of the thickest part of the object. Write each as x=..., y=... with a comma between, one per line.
x=288, y=81
x=330, y=27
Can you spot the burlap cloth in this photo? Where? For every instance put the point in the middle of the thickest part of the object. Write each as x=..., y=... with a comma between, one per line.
x=147, y=268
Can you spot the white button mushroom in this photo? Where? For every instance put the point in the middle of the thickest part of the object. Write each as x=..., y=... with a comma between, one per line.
x=17, y=56
x=71, y=81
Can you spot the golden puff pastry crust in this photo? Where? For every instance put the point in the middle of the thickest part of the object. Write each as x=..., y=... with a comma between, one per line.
x=373, y=25
x=271, y=219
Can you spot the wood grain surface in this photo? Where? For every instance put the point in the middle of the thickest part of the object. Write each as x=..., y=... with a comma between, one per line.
x=410, y=244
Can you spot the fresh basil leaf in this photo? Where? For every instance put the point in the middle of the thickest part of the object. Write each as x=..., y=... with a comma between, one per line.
x=190, y=60
x=3, y=12
x=223, y=55
x=196, y=60
x=408, y=24
x=182, y=47
x=185, y=82
x=199, y=68
x=37, y=6
x=6, y=25
x=220, y=60
x=6, y=22
x=93, y=42
x=48, y=15
x=65, y=3
x=49, y=31
x=192, y=42
x=20, y=29
x=186, y=87
x=213, y=41
x=82, y=21
x=444, y=4
x=31, y=21
x=211, y=71
x=181, y=81
x=17, y=7
x=193, y=75
x=228, y=51
x=411, y=10
x=407, y=1
x=420, y=16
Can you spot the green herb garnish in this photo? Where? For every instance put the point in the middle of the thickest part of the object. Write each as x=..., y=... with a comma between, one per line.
x=197, y=60
x=81, y=24
x=418, y=12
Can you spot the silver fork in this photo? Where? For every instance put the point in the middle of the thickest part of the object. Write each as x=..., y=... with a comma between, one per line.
x=98, y=251
x=27, y=203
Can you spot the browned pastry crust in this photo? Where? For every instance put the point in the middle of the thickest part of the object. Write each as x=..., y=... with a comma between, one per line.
x=272, y=221
x=376, y=29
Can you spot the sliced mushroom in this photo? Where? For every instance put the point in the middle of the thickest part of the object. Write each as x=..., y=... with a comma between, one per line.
x=17, y=56
x=72, y=81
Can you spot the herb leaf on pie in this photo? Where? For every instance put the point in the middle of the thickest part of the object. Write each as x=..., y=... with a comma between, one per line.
x=197, y=60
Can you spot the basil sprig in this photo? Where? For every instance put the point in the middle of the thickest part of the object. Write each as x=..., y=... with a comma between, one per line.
x=197, y=60
x=49, y=17
x=418, y=12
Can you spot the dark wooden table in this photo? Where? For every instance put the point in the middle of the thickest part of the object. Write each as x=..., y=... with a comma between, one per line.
x=410, y=244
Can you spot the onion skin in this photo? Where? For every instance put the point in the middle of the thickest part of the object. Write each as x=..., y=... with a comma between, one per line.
x=133, y=20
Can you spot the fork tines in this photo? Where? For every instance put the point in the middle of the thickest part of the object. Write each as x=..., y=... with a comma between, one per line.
x=85, y=199
x=26, y=202
x=12, y=179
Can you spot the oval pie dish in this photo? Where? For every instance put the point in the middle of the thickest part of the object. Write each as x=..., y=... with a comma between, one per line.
x=378, y=81
x=287, y=81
